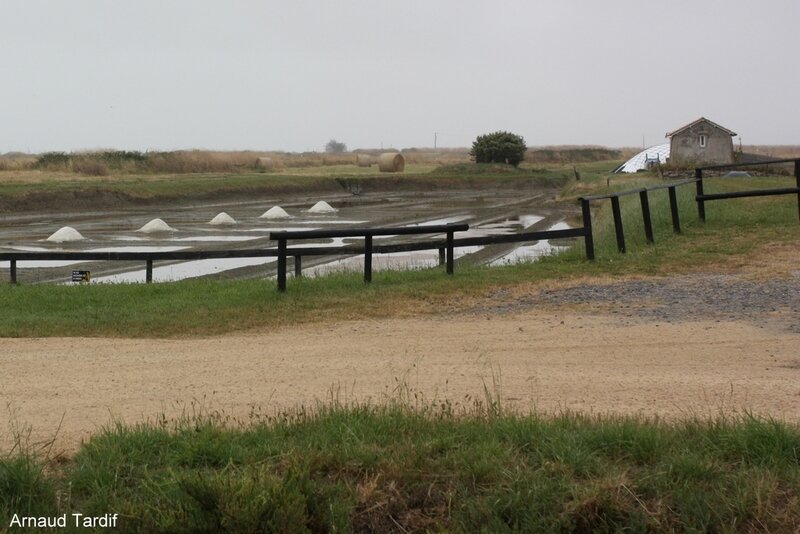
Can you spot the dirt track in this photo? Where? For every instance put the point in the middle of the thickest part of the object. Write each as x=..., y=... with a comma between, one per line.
x=544, y=359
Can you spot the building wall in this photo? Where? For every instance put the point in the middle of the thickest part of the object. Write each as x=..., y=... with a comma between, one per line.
x=685, y=146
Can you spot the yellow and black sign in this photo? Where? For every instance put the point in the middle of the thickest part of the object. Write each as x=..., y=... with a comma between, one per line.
x=82, y=277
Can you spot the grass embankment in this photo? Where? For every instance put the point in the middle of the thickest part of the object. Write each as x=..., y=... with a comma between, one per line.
x=392, y=468
x=735, y=232
x=44, y=190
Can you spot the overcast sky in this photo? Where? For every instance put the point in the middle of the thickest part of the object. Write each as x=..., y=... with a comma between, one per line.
x=290, y=75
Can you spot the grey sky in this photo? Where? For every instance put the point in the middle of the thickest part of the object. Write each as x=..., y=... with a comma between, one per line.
x=290, y=75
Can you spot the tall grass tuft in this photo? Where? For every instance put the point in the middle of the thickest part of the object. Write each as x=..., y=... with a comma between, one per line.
x=353, y=466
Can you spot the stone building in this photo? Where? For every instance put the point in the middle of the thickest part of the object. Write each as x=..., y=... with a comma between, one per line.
x=701, y=142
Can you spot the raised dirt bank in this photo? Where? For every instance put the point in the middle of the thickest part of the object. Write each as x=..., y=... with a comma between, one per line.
x=193, y=188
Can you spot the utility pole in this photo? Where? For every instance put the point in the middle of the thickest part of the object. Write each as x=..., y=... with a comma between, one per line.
x=435, y=136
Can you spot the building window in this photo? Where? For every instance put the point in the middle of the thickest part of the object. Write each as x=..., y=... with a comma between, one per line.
x=703, y=140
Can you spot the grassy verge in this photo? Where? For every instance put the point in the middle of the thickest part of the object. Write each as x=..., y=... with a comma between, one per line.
x=433, y=468
x=736, y=231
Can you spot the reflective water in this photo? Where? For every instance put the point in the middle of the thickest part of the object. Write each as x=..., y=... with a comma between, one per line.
x=110, y=231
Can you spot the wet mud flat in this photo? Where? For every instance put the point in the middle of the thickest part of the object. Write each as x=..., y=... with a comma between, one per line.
x=117, y=229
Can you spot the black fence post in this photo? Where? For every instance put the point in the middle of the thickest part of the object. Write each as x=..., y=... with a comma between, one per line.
x=618, y=229
x=648, y=223
x=367, y=259
x=441, y=257
x=450, y=252
x=298, y=266
x=13, y=271
x=281, y=265
x=148, y=273
x=587, y=227
x=673, y=208
x=797, y=179
x=701, y=206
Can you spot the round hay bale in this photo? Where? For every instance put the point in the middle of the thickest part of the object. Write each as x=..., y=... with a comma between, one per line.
x=364, y=160
x=391, y=162
x=265, y=164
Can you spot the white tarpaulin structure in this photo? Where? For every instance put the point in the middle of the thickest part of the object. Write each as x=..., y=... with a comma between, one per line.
x=645, y=158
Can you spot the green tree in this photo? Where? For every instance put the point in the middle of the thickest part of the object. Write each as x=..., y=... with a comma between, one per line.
x=335, y=147
x=499, y=147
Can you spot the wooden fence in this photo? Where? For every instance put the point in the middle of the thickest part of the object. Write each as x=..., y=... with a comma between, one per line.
x=701, y=198
x=283, y=251
x=644, y=201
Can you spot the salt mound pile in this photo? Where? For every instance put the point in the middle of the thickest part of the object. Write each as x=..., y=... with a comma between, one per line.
x=67, y=233
x=222, y=218
x=275, y=212
x=156, y=225
x=322, y=207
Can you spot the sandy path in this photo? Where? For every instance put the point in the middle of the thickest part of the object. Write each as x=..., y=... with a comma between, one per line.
x=544, y=359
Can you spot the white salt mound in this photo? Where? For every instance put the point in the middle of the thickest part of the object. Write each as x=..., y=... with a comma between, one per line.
x=222, y=218
x=275, y=212
x=156, y=225
x=67, y=233
x=322, y=207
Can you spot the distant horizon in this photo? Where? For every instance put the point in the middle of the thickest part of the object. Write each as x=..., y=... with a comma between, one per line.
x=351, y=151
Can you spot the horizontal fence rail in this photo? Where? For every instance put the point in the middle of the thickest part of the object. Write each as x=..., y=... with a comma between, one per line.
x=702, y=197
x=445, y=248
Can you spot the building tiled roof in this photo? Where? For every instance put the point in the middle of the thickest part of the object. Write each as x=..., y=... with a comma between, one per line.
x=698, y=121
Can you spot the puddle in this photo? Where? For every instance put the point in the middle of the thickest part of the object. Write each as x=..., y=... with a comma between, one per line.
x=214, y=238
x=421, y=259
x=195, y=239
x=184, y=270
x=443, y=220
x=39, y=264
x=31, y=249
x=135, y=248
x=321, y=221
x=532, y=252
x=281, y=229
x=529, y=220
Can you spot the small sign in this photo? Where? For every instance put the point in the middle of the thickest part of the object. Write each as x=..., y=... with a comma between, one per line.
x=82, y=277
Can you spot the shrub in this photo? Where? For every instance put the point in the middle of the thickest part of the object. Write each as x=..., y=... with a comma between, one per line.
x=499, y=147
x=89, y=166
x=49, y=160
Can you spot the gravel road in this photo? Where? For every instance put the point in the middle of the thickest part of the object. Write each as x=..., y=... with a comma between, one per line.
x=764, y=303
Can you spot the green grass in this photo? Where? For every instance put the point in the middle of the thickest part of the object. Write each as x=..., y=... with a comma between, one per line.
x=434, y=468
